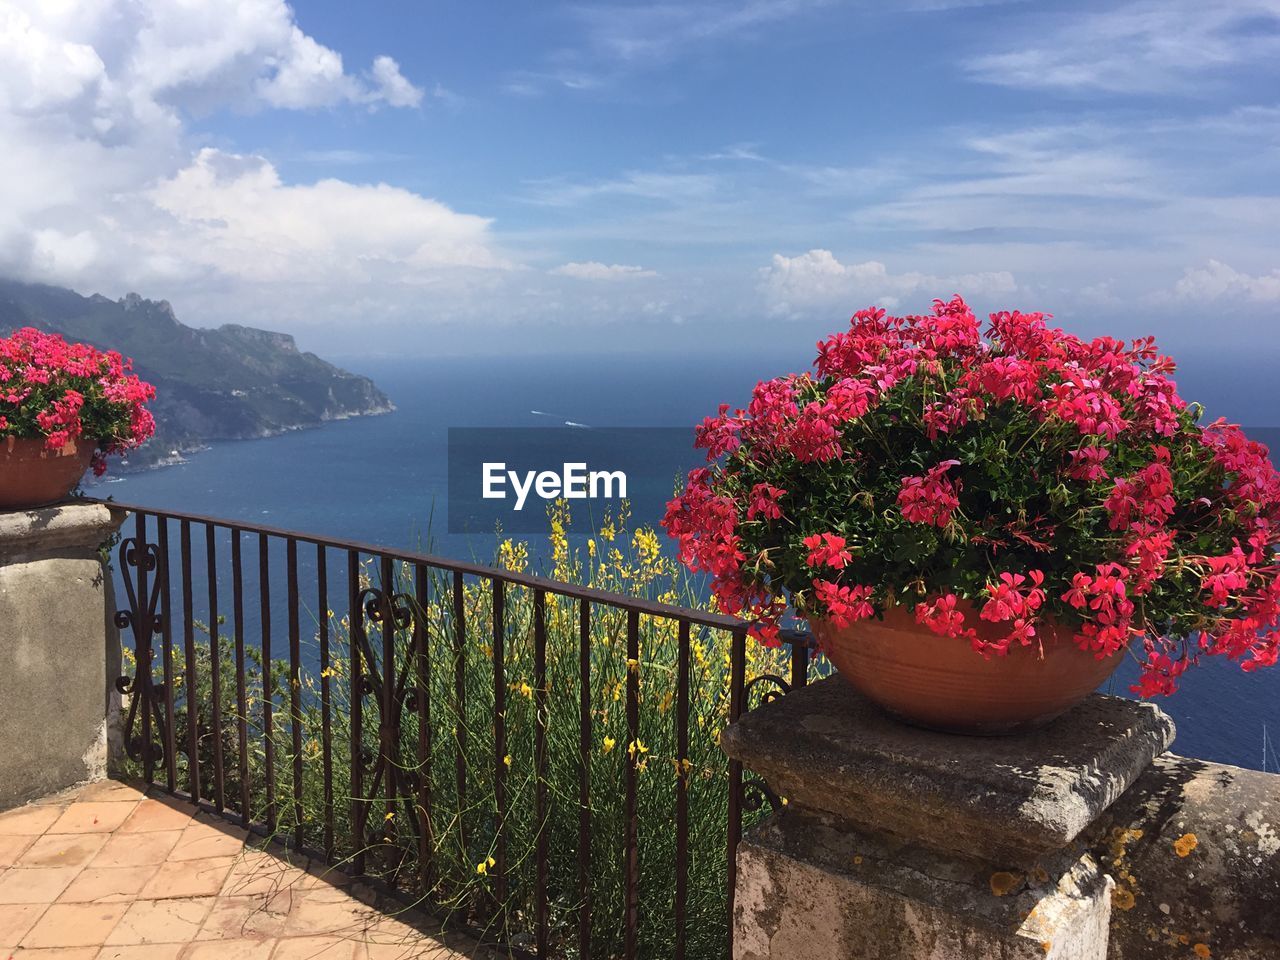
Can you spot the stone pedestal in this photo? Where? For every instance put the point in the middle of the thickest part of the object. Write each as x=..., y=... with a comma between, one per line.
x=59, y=650
x=903, y=844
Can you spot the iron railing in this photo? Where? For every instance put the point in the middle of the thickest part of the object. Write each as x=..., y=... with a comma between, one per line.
x=366, y=743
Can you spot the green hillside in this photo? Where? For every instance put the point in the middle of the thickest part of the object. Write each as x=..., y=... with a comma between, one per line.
x=228, y=383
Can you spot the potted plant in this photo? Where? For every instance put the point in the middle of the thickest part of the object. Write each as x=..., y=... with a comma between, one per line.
x=978, y=529
x=63, y=408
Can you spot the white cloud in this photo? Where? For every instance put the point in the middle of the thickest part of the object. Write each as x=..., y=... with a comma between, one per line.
x=817, y=281
x=1216, y=281
x=1151, y=46
x=234, y=215
x=101, y=187
x=617, y=38
x=658, y=31
x=658, y=185
x=390, y=84
x=592, y=270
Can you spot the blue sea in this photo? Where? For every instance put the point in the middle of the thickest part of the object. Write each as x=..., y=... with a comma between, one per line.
x=384, y=480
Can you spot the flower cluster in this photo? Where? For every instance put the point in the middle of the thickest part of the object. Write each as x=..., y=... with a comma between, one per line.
x=62, y=392
x=1015, y=476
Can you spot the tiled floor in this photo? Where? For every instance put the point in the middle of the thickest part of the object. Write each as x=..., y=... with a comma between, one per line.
x=106, y=872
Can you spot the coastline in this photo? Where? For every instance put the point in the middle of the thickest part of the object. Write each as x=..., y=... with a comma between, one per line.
x=181, y=453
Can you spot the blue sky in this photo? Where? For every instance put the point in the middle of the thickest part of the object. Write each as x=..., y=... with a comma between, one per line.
x=410, y=178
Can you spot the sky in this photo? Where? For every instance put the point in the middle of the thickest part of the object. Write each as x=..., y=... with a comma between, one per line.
x=407, y=178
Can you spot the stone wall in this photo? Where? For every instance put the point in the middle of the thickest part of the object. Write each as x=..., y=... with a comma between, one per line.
x=1195, y=851
x=1083, y=840
x=59, y=649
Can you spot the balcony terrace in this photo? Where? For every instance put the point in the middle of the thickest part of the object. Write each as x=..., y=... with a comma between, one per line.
x=324, y=749
x=117, y=871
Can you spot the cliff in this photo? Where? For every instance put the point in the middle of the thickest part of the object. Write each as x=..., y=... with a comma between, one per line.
x=228, y=383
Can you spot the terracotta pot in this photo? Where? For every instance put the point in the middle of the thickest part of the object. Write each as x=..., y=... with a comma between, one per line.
x=942, y=684
x=31, y=476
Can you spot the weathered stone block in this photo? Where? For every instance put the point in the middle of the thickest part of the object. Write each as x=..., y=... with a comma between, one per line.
x=811, y=889
x=59, y=650
x=1005, y=800
x=1195, y=850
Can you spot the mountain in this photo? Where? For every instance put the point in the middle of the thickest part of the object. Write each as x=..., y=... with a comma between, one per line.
x=229, y=383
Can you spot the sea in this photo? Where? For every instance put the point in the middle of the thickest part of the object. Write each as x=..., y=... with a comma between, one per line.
x=385, y=480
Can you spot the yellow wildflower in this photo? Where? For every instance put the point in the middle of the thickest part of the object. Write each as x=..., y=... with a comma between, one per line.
x=507, y=759
x=609, y=744
x=483, y=866
x=513, y=556
x=646, y=542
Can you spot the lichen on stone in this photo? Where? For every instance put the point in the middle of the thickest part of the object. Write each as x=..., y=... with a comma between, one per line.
x=1004, y=882
x=1185, y=844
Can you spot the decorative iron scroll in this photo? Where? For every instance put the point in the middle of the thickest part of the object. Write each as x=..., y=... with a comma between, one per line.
x=768, y=696
x=755, y=792
x=391, y=780
x=144, y=621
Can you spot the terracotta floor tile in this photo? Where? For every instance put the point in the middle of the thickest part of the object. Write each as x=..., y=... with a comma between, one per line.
x=204, y=839
x=142, y=951
x=323, y=914
x=136, y=849
x=394, y=929
x=107, y=884
x=36, y=884
x=422, y=950
x=327, y=893
x=63, y=850
x=230, y=950
x=31, y=820
x=161, y=921
x=257, y=872
x=189, y=878
x=316, y=948
x=245, y=918
x=112, y=790
x=64, y=797
x=154, y=814
x=75, y=925
x=98, y=874
x=12, y=847
x=323, y=876
x=92, y=817
x=16, y=919
x=395, y=936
